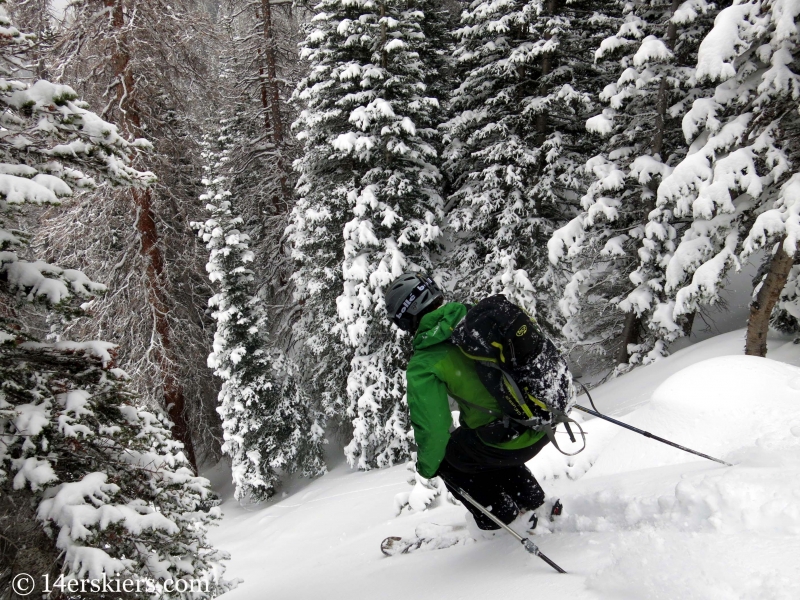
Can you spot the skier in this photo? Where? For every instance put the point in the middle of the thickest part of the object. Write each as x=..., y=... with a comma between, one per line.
x=493, y=473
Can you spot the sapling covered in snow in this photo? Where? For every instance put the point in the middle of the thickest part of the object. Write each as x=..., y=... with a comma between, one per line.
x=615, y=256
x=269, y=426
x=738, y=185
x=423, y=491
x=368, y=175
x=91, y=482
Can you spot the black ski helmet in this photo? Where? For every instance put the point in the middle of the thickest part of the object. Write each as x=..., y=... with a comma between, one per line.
x=408, y=296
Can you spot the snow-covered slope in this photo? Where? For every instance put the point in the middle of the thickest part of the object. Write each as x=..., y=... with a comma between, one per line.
x=641, y=520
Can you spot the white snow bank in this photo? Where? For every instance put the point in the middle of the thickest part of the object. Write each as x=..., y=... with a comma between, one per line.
x=718, y=407
x=683, y=527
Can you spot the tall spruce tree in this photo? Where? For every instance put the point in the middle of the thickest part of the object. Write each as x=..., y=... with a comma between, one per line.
x=260, y=67
x=617, y=270
x=268, y=426
x=368, y=174
x=515, y=145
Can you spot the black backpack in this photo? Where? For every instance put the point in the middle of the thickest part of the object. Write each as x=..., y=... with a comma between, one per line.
x=519, y=366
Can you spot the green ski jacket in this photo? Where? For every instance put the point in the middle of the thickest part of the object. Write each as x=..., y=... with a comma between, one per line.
x=438, y=369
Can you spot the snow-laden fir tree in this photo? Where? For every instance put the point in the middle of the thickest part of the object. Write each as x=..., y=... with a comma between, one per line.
x=259, y=69
x=112, y=491
x=617, y=274
x=368, y=209
x=739, y=185
x=269, y=427
x=91, y=483
x=436, y=51
x=516, y=144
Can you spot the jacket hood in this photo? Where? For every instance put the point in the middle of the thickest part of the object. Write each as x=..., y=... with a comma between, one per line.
x=437, y=326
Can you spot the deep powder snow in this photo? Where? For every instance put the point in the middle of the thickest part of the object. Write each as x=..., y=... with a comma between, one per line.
x=641, y=520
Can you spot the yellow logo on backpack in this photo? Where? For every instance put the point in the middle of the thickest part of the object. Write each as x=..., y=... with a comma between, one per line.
x=522, y=331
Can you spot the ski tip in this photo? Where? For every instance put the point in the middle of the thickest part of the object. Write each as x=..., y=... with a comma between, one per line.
x=389, y=545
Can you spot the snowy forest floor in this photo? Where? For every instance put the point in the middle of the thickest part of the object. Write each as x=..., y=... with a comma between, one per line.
x=641, y=520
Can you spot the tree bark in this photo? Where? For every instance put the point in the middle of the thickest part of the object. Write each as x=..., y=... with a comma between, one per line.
x=761, y=307
x=129, y=121
x=630, y=335
x=264, y=94
x=272, y=74
x=547, y=67
x=271, y=88
x=689, y=323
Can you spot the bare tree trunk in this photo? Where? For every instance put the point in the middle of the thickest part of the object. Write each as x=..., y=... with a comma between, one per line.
x=174, y=400
x=761, y=307
x=129, y=121
x=264, y=94
x=630, y=335
x=689, y=323
x=273, y=86
x=272, y=74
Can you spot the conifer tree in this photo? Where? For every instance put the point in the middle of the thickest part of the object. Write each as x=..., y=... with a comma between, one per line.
x=368, y=173
x=617, y=271
x=739, y=185
x=92, y=483
x=145, y=64
x=516, y=145
x=268, y=426
x=259, y=67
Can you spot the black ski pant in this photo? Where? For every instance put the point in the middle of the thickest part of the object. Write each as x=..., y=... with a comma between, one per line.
x=496, y=478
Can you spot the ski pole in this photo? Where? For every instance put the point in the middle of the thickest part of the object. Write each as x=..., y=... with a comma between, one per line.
x=641, y=431
x=527, y=544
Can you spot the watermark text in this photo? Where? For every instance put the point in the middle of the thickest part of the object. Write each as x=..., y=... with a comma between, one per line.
x=24, y=584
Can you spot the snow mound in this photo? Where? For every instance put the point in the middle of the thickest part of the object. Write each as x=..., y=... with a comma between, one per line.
x=745, y=410
x=725, y=407
x=676, y=523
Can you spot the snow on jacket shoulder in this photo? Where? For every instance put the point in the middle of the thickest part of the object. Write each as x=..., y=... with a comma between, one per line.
x=438, y=369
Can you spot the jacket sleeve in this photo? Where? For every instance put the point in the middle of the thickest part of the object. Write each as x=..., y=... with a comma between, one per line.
x=430, y=417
